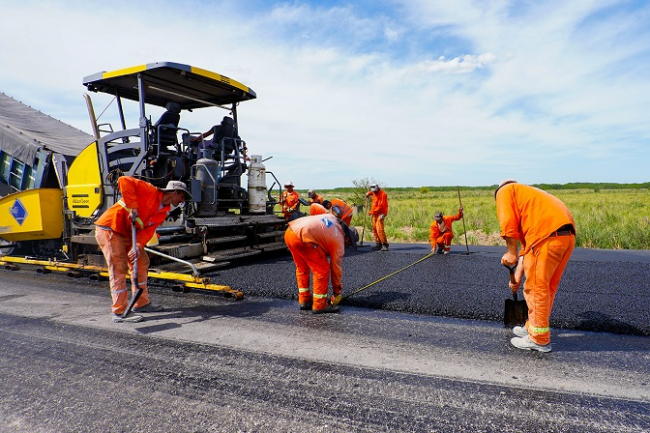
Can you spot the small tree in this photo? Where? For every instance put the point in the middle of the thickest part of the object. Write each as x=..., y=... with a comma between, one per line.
x=361, y=186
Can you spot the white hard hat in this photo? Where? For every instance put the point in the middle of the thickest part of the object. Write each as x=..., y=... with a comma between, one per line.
x=288, y=184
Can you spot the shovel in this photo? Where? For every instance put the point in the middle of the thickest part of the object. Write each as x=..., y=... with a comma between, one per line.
x=515, y=312
x=134, y=274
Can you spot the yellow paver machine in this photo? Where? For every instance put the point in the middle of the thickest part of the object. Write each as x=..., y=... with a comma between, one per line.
x=55, y=181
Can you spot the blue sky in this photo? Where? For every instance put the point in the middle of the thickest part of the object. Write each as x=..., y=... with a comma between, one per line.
x=407, y=93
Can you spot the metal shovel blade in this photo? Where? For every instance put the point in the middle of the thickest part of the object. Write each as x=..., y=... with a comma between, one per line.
x=515, y=312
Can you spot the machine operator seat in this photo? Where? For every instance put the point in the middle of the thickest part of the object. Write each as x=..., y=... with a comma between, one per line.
x=166, y=127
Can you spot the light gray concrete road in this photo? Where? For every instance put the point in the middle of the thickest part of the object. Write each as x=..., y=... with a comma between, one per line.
x=210, y=365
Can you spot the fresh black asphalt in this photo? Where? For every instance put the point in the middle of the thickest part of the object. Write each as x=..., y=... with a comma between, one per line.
x=602, y=290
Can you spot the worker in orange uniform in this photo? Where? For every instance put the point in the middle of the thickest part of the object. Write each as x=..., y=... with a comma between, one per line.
x=290, y=202
x=311, y=240
x=340, y=209
x=149, y=207
x=314, y=197
x=546, y=230
x=440, y=232
x=378, y=212
x=317, y=209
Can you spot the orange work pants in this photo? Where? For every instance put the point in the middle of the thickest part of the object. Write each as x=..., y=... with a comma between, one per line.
x=378, y=230
x=544, y=265
x=444, y=240
x=309, y=257
x=116, y=249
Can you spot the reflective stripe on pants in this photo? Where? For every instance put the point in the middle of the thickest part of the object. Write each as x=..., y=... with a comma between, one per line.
x=309, y=257
x=116, y=249
x=544, y=266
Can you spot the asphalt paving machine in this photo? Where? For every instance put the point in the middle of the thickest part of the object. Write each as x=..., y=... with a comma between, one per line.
x=55, y=181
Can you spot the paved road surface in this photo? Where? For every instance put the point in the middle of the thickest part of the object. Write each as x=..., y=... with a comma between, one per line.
x=259, y=365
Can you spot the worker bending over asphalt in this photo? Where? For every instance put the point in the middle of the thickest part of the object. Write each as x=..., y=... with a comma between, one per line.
x=340, y=209
x=440, y=232
x=378, y=212
x=314, y=197
x=290, y=202
x=546, y=230
x=149, y=207
x=311, y=240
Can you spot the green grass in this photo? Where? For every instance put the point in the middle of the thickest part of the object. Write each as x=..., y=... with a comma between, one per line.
x=608, y=216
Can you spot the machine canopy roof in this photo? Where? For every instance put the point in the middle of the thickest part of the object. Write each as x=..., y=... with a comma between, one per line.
x=189, y=86
x=24, y=130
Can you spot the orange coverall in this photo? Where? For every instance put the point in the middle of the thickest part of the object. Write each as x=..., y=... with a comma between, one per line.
x=311, y=239
x=317, y=199
x=317, y=209
x=442, y=238
x=533, y=217
x=289, y=200
x=342, y=210
x=113, y=234
x=378, y=211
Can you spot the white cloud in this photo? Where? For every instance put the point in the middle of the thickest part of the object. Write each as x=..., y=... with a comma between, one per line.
x=421, y=93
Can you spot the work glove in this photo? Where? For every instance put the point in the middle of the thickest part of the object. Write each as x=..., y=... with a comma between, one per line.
x=290, y=209
x=335, y=299
x=382, y=216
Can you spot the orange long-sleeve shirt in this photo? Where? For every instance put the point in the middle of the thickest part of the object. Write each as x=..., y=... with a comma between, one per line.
x=325, y=231
x=529, y=214
x=140, y=195
x=342, y=210
x=434, y=230
x=379, y=202
x=289, y=200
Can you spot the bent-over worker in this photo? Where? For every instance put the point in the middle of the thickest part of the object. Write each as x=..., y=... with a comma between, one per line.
x=378, y=212
x=441, y=233
x=311, y=240
x=340, y=209
x=149, y=206
x=546, y=230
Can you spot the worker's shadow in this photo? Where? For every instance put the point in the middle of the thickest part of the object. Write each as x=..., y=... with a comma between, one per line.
x=377, y=300
x=578, y=338
x=201, y=313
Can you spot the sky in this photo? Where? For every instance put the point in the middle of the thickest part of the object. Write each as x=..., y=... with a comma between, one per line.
x=407, y=93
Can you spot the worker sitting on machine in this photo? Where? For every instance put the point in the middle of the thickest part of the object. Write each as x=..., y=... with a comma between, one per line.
x=224, y=133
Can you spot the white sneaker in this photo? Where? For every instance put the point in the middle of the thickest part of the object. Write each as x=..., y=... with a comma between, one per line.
x=131, y=318
x=520, y=331
x=526, y=343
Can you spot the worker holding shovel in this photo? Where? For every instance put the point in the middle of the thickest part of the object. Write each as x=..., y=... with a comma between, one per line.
x=546, y=230
x=378, y=212
x=149, y=207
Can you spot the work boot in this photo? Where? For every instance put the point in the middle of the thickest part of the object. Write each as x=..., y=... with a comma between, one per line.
x=439, y=250
x=376, y=247
x=525, y=343
x=130, y=318
x=149, y=308
x=520, y=331
x=306, y=305
x=328, y=309
x=384, y=247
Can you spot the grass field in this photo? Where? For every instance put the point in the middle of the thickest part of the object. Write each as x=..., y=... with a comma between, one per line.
x=608, y=216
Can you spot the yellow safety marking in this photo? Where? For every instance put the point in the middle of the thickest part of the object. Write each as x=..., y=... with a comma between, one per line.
x=125, y=71
x=221, y=78
x=191, y=281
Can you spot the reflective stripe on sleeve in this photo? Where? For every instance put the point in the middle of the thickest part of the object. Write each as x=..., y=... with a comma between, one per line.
x=303, y=290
